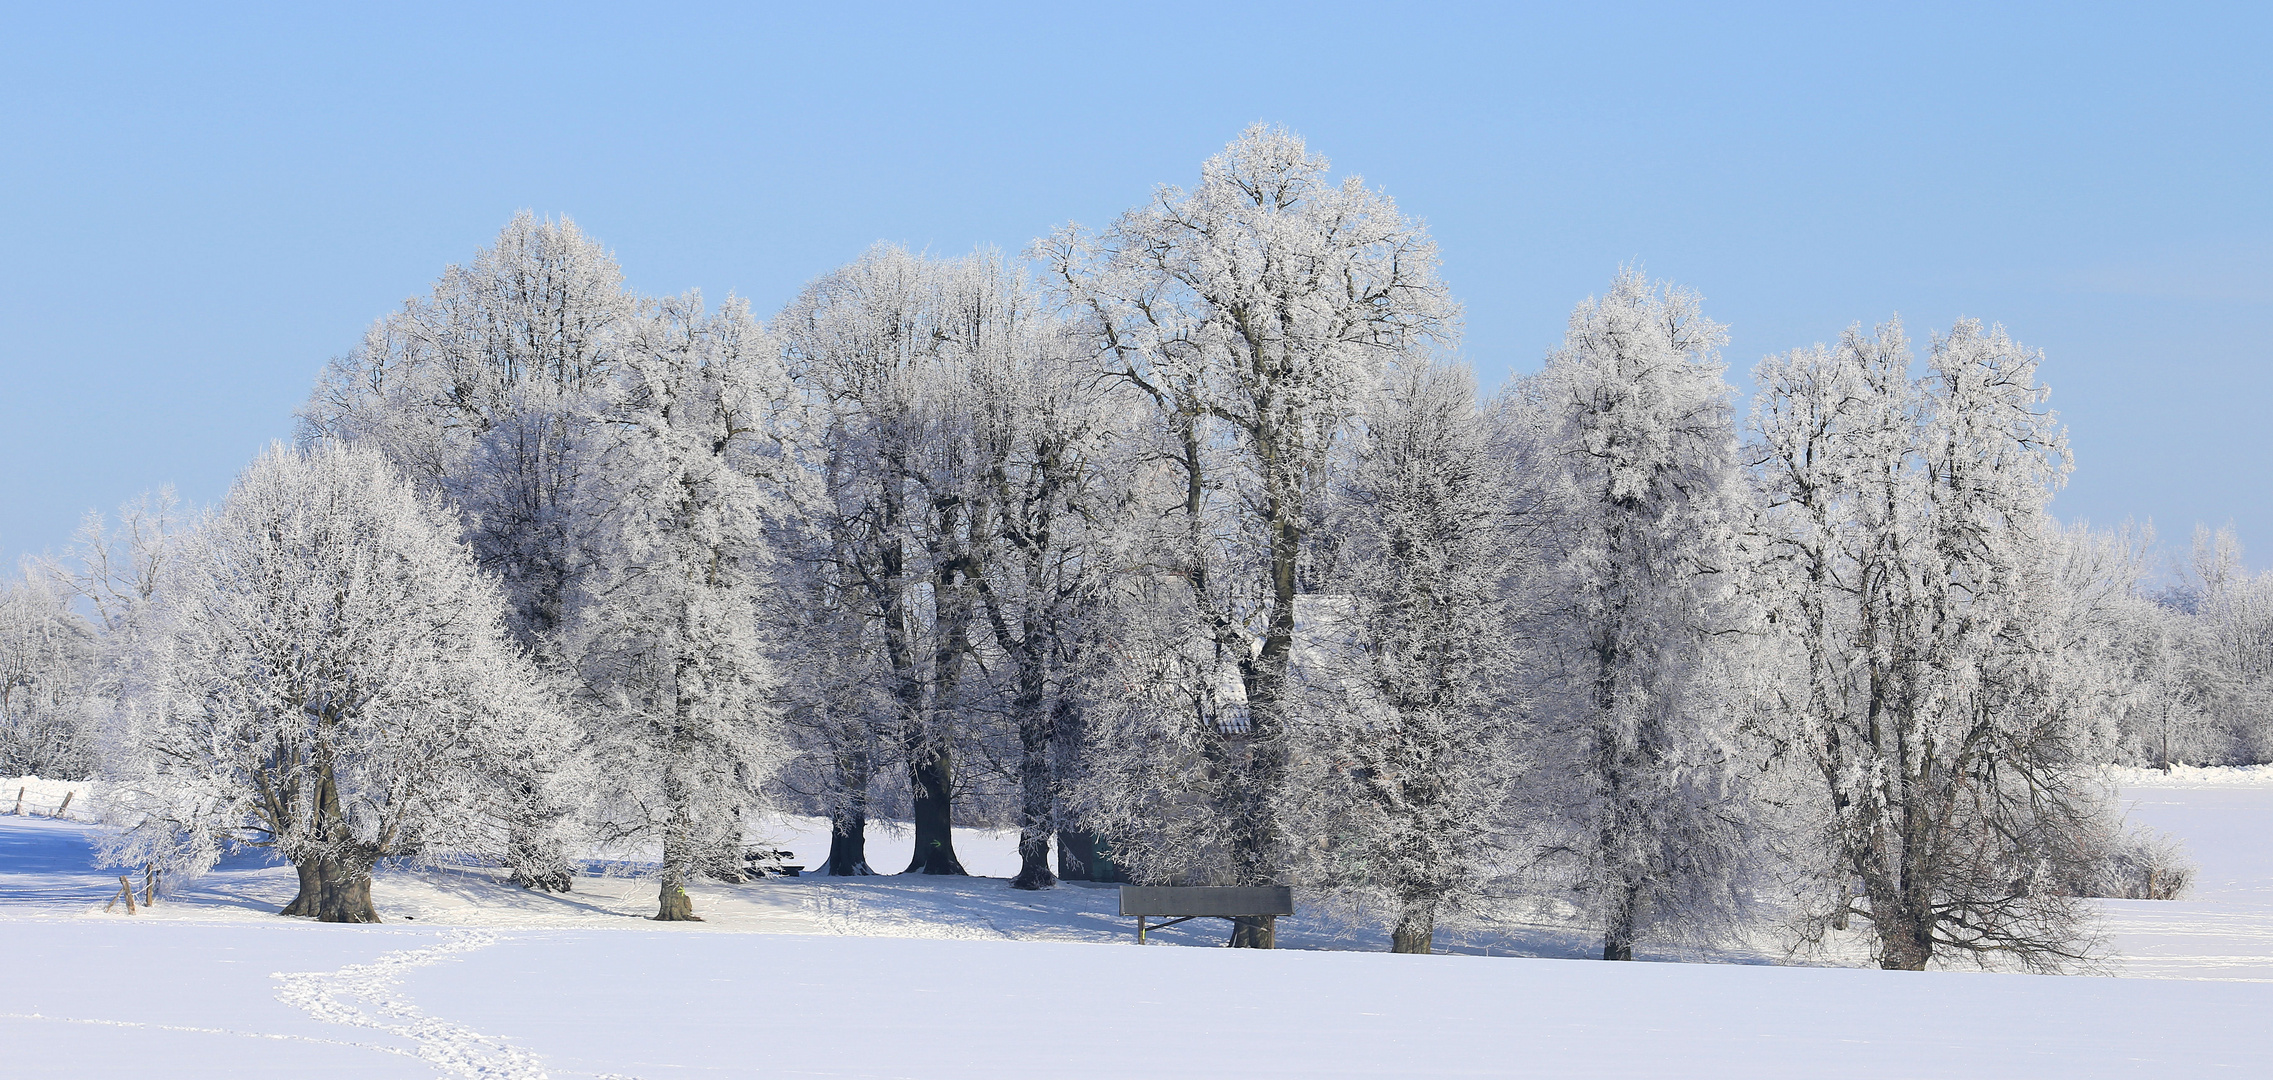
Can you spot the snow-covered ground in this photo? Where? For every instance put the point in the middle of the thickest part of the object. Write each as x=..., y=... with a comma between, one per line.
x=2223, y=928
x=893, y=977
x=32, y=796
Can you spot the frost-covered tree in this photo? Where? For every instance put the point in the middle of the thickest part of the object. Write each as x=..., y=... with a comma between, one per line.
x=48, y=661
x=678, y=684
x=1913, y=563
x=2217, y=682
x=1256, y=312
x=327, y=676
x=2115, y=643
x=1643, y=439
x=486, y=393
x=1417, y=680
x=883, y=348
x=1044, y=431
x=483, y=392
x=115, y=569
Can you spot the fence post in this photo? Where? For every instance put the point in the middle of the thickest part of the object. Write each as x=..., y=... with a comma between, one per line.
x=19, y=802
x=149, y=884
x=125, y=892
x=65, y=808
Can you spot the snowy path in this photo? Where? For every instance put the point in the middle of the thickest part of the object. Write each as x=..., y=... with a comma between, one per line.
x=458, y=1050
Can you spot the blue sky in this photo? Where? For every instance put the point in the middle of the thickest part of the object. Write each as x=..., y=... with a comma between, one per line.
x=196, y=210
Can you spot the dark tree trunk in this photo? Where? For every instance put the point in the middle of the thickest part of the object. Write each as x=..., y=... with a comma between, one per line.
x=1034, y=861
x=933, y=776
x=1905, y=941
x=1037, y=751
x=311, y=890
x=1084, y=856
x=848, y=844
x=1416, y=927
x=335, y=886
x=672, y=902
x=1261, y=753
x=848, y=815
x=333, y=890
x=346, y=896
x=1618, y=925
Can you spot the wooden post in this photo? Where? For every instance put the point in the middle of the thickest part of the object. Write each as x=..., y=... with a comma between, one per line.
x=149, y=884
x=19, y=802
x=1140, y=929
x=125, y=892
x=61, y=810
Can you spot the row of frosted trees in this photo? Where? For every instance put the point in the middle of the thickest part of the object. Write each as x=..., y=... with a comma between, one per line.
x=1185, y=553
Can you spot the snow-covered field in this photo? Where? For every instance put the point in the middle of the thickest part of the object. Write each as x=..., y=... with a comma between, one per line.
x=895, y=977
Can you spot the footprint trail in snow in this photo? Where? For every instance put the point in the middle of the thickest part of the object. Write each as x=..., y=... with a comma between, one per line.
x=458, y=1050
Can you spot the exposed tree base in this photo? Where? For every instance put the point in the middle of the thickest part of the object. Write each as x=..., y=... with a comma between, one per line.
x=304, y=902
x=676, y=906
x=935, y=857
x=333, y=892
x=1034, y=861
x=946, y=866
x=848, y=848
x=1618, y=934
x=1415, y=933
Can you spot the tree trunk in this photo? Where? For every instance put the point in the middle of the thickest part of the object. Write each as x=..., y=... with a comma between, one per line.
x=848, y=844
x=1905, y=942
x=1034, y=860
x=335, y=887
x=1416, y=928
x=1084, y=856
x=682, y=849
x=311, y=889
x=333, y=890
x=1618, y=925
x=932, y=773
x=673, y=904
x=1037, y=803
x=1255, y=932
x=346, y=896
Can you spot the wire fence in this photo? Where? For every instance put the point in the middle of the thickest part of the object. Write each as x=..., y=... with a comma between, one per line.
x=26, y=801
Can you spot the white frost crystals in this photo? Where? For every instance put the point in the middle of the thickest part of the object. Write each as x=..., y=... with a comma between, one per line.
x=326, y=676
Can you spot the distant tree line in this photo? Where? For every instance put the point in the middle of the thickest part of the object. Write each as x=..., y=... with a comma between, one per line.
x=1180, y=547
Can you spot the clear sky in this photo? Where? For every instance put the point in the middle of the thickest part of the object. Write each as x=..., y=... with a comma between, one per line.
x=197, y=209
